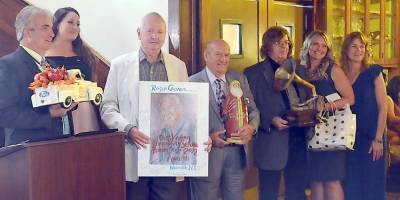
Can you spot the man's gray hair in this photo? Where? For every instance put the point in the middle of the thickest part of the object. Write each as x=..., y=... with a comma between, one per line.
x=151, y=14
x=25, y=17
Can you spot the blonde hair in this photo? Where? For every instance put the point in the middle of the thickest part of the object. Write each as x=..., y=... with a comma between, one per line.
x=326, y=61
x=345, y=60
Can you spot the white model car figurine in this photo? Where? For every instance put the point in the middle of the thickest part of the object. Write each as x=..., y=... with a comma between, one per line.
x=66, y=94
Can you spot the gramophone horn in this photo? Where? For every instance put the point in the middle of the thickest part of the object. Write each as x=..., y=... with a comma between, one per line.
x=300, y=81
x=284, y=75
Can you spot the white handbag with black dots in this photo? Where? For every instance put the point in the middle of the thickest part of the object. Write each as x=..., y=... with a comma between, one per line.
x=337, y=132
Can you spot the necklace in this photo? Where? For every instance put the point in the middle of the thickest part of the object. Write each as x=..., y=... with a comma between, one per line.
x=311, y=73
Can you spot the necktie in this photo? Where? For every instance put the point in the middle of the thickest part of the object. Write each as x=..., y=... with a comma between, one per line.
x=220, y=94
x=43, y=64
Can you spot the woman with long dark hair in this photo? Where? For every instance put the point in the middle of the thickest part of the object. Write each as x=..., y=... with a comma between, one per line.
x=69, y=50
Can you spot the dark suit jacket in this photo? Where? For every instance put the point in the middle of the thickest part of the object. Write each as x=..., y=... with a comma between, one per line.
x=215, y=122
x=16, y=112
x=270, y=145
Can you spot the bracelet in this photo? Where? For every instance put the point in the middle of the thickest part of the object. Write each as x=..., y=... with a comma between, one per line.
x=380, y=141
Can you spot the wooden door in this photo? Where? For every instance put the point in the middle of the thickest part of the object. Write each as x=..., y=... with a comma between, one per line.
x=290, y=16
x=215, y=12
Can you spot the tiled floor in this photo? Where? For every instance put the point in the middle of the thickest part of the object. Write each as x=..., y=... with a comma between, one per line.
x=252, y=194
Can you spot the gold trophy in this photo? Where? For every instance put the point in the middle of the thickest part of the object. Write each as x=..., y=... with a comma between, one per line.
x=235, y=112
x=306, y=113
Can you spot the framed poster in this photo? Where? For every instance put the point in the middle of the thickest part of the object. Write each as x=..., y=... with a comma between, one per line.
x=175, y=117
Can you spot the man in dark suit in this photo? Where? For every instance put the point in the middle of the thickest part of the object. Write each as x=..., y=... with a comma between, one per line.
x=34, y=33
x=226, y=161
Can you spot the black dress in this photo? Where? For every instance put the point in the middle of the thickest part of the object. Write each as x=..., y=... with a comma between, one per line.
x=327, y=165
x=73, y=62
x=85, y=117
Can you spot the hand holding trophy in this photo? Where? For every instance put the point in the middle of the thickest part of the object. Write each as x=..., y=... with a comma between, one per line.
x=236, y=115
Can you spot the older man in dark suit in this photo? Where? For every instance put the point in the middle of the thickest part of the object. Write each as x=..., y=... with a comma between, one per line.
x=34, y=33
x=226, y=161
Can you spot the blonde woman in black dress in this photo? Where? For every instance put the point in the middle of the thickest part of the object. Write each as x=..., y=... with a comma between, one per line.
x=327, y=169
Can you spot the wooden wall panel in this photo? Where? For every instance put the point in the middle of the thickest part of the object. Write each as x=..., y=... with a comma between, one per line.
x=8, y=11
x=8, y=43
x=182, y=31
x=293, y=16
x=212, y=11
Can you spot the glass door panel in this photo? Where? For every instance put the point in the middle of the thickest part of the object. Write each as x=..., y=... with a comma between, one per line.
x=374, y=27
x=357, y=15
x=336, y=23
x=390, y=16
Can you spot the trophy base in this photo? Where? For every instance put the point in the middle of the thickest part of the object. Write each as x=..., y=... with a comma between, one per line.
x=301, y=118
x=234, y=141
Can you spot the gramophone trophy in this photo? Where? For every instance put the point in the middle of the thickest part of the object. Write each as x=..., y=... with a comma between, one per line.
x=235, y=112
x=303, y=114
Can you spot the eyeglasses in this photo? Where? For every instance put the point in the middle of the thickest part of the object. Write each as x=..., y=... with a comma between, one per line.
x=282, y=44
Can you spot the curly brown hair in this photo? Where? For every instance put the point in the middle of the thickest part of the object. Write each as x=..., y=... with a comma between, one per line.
x=272, y=35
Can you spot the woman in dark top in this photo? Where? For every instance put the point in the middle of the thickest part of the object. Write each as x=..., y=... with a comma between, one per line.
x=278, y=148
x=327, y=169
x=68, y=50
x=365, y=175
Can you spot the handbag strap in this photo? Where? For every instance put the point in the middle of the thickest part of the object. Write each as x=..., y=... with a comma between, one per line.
x=325, y=113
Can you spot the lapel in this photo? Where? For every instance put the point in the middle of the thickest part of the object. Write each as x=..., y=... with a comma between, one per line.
x=213, y=101
x=28, y=60
x=269, y=78
x=168, y=67
x=268, y=73
x=131, y=74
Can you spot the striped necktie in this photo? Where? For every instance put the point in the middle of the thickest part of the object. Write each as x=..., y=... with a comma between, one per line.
x=220, y=94
x=43, y=63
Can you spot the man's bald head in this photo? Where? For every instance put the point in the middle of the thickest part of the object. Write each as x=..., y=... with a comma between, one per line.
x=216, y=43
x=152, y=33
x=151, y=16
x=217, y=55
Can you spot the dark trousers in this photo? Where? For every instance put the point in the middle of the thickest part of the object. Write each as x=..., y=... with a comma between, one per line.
x=295, y=173
x=155, y=188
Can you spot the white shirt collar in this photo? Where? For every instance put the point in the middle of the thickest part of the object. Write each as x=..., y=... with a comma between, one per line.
x=34, y=54
x=212, y=77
